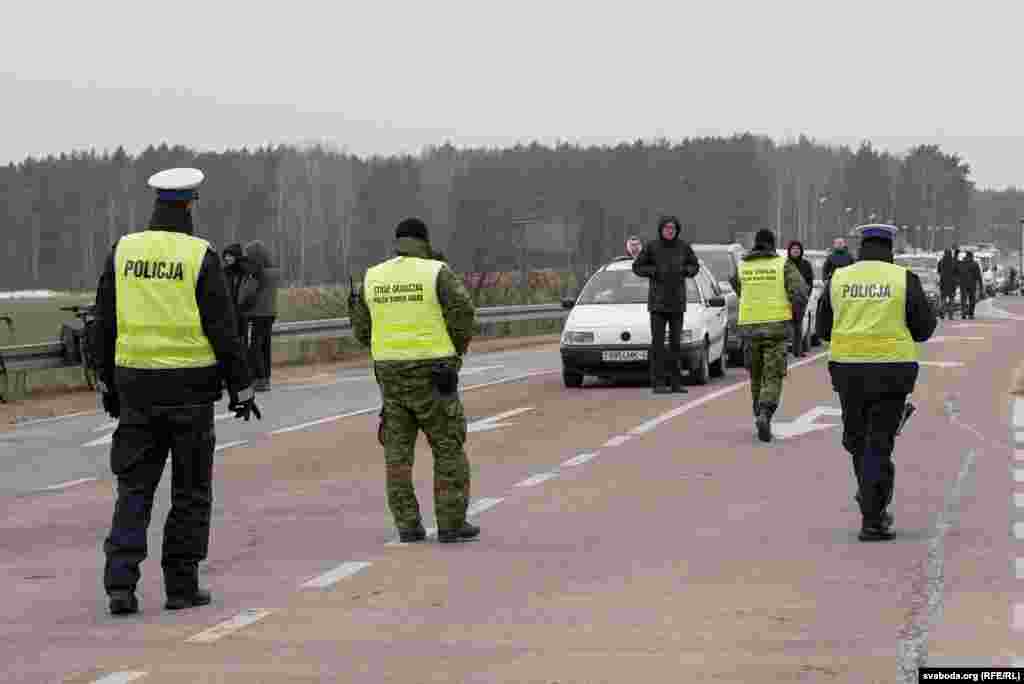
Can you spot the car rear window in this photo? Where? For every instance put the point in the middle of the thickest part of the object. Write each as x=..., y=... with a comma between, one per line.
x=720, y=263
x=625, y=287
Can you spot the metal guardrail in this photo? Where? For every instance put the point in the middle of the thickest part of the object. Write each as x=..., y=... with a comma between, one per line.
x=52, y=354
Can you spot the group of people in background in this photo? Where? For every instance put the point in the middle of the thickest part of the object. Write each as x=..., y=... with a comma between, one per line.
x=959, y=270
x=253, y=279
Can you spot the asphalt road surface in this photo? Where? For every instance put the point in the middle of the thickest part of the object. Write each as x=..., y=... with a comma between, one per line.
x=626, y=537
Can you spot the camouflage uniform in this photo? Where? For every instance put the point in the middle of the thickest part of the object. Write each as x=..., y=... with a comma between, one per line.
x=764, y=347
x=410, y=403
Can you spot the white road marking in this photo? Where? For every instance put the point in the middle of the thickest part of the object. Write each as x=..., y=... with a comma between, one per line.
x=473, y=370
x=1018, y=617
x=486, y=424
x=1019, y=567
x=707, y=398
x=1018, y=436
x=482, y=505
x=579, y=460
x=221, y=630
x=107, y=439
x=228, y=445
x=360, y=412
x=942, y=364
x=53, y=419
x=1018, y=475
x=1018, y=454
x=618, y=440
x=71, y=483
x=339, y=573
x=956, y=338
x=1018, y=500
x=536, y=479
x=1018, y=413
x=120, y=678
x=1018, y=530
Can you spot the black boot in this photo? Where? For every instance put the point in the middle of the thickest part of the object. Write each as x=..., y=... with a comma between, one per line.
x=877, y=530
x=467, y=532
x=412, y=534
x=123, y=603
x=764, y=422
x=756, y=407
x=200, y=598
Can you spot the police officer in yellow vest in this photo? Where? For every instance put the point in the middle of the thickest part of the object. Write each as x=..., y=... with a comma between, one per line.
x=875, y=313
x=165, y=343
x=770, y=288
x=417, y=319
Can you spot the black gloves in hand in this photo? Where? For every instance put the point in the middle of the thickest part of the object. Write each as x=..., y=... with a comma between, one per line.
x=244, y=405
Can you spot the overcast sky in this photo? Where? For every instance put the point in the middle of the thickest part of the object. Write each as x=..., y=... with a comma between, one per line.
x=387, y=77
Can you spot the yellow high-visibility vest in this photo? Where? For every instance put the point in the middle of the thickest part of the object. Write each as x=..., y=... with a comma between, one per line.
x=408, y=323
x=869, y=323
x=763, y=296
x=158, y=323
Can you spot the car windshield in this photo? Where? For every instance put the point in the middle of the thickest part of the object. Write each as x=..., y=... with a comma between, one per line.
x=719, y=263
x=622, y=286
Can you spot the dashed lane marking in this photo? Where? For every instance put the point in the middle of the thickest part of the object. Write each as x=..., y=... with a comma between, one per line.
x=942, y=364
x=1018, y=530
x=223, y=629
x=1018, y=474
x=618, y=440
x=478, y=507
x=579, y=460
x=70, y=483
x=536, y=479
x=1018, y=500
x=228, y=445
x=53, y=419
x=339, y=573
x=120, y=678
x=1018, y=567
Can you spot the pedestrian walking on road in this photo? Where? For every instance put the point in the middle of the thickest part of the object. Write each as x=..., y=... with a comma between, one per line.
x=948, y=279
x=772, y=289
x=874, y=312
x=667, y=262
x=971, y=283
x=258, y=306
x=796, y=256
x=165, y=343
x=417, y=319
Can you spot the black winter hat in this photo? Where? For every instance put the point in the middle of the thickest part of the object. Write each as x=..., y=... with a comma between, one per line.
x=412, y=227
x=764, y=238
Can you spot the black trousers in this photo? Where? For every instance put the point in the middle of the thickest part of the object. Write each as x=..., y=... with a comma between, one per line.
x=869, y=435
x=259, y=339
x=968, y=298
x=141, y=443
x=798, y=332
x=665, y=363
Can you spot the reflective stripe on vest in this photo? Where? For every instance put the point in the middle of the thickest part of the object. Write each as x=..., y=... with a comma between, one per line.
x=408, y=323
x=158, y=324
x=763, y=296
x=869, y=323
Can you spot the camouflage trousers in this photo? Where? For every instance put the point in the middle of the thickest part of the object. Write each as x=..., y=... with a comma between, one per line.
x=765, y=357
x=410, y=405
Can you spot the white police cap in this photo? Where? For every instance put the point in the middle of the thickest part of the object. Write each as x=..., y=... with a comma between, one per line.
x=878, y=230
x=177, y=184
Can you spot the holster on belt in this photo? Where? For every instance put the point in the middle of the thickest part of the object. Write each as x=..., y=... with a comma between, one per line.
x=445, y=378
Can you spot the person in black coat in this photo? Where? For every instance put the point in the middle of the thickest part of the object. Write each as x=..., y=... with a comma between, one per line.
x=796, y=255
x=667, y=261
x=969, y=276
x=948, y=280
x=234, y=272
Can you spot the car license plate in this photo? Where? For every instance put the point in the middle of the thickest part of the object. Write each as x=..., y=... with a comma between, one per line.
x=637, y=355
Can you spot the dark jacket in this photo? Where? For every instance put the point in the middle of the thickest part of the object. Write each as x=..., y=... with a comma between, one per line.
x=837, y=259
x=969, y=273
x=876, y=379
x=180, y=386
x=948, y=273
x=235, y=273
x=666, y=263
x=258, y=296
x=802, y=264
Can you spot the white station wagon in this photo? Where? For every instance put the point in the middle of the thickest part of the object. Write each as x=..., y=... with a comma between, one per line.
x=608, y=331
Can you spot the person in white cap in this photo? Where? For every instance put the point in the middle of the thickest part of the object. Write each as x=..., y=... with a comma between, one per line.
x=874, y=312
x=165, y=343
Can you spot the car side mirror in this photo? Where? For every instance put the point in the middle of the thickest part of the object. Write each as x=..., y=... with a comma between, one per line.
x=568, y=303
x=716, y=302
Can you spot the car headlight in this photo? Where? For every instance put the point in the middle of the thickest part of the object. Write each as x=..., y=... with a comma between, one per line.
x=577, y=337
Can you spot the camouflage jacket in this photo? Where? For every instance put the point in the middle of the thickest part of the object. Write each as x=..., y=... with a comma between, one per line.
x=456, y=305
x=796, y=288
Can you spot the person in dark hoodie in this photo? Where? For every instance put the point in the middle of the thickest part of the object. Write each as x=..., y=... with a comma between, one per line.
x=165, y=343
x=839, y=258
x=874, y=312
x=666, y=261
x=948, y=280
x=772, y=290
x=258, y=305
x=971, y=282
x=796, y=256
x=234, y=271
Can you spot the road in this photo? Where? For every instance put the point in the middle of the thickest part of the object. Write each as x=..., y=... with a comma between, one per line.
x=625, y=535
